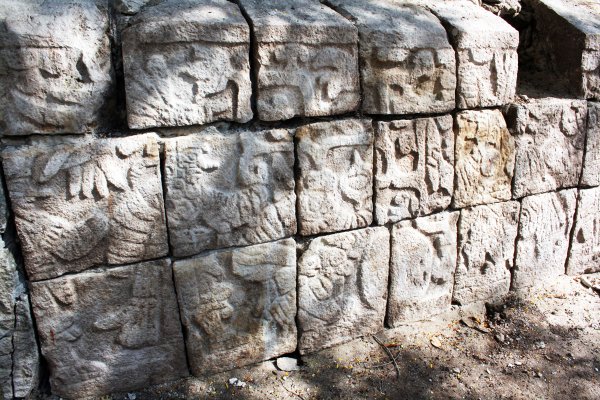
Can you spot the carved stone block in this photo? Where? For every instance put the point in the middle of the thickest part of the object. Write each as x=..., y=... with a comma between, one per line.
x=335, y=175
x=423, y=261
x=591, y=165
x=186, y=63
x=584, y=256
x=81, y=202
x=342, y=287
x=407, y=63
x=55, y=66
x=110, y=330
x=229, y=188
x=543, y=242
x=486, y=53
x=238, y=306
x=414, y=167
x=485, y=157
x=486, y=244
x=549, y=140
x=306, y=58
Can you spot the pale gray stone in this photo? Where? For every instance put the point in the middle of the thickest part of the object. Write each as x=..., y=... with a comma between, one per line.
x=485, y=157
x=229, y=188
x=9, y=291
x=26, y=357
x=335, y=163
x=486, y=247
x=591, y=164
x=187, y=62
x=238, y=306
x=549, y=138
x=110, y=330
x=543, y=242
x=414, y=167
x=407, y=63
x=584, y=256
x=486, y=48
x=80, y=202
x=306, y=58
x=130, y=7
x=422, y=265
x=570, y=32
x=55, y=66
x=342, y=287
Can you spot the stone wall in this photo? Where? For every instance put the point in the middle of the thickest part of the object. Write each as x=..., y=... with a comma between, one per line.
x=198, y=185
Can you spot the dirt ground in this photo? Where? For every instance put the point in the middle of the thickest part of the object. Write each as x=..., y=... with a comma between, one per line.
x=544, y=347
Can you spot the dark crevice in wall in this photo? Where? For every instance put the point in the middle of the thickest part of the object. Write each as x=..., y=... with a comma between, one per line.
x=572, y=232
x=517, y=237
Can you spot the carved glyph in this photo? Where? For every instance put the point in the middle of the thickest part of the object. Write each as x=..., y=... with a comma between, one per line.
x=591, y=165
x=584, y=256
x=342, y=287
x=335, y=175
x=543, y=242
x=238, y=306
x=99, y=330
x=422, y=265
x=414, y=172
x=185, y=63
x=85, y=202
x=486, y=243
x=229, y=189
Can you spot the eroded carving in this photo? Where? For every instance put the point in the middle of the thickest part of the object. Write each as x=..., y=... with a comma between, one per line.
x=584, y=256
x=591, y=165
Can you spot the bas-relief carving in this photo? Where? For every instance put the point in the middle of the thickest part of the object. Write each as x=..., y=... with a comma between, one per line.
x=238, y=306
x=584, y=255
x=414, y=172
x=100, y=329
x=342, y=287
x=335, y=176
x=86, y=202
x=591, y=164
x=229, y=189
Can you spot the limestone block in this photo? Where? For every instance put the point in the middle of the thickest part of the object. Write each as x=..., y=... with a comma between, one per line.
x=81, y=202
x=9, y=288
x=55, y=66
x=414, y=167
x=407, y=63
x=486, y=244
x=26, y=357
x=423, y=261
x=543, y=242
x=110, y=330
x=306, y=59
x=486, y=53
x=335, y=175
x=342, y=287
x=186, y=63
x=584, y=256
x=549, y=140
x=4, y=210
x=570, y=33
x=129, y=7
x=485, y=158
x=229, y=188
x=591, y=165
x=238, y=306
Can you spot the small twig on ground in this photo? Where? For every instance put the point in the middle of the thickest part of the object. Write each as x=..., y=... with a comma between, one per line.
x=382, y=364
x=291, y=391
x=389, y=353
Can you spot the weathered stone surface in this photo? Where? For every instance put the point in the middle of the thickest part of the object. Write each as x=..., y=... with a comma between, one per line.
x=485, y=158
x=342, y=287
x=407, y=63
x=584, y=256
x=186, y=62
x=414, y=167
x=238, y=306
x=486, y=244
x=486, y=48
x=591, y=165
x=26, y=357
x=549, y=140
x=570, y=33
x=423, y=261
x=229, y=189
x=543, y=242
x=129, y=7
x=9, y=290
x=81, y=202
x=307, y=59
x=110, y=330
x=4, y=211
x=55, y=66
x=335, y=175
